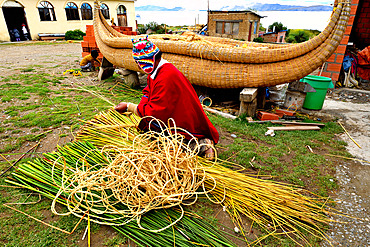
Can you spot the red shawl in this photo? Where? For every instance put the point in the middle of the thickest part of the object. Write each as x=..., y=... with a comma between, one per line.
x=170, y=95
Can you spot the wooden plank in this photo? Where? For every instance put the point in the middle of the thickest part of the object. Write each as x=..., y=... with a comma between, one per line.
x=297, y=123
x=223, y=114
x=295, y=128
x=248, y=94
x=249, y=108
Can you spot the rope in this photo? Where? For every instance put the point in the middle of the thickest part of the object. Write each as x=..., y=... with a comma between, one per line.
x=159, y=170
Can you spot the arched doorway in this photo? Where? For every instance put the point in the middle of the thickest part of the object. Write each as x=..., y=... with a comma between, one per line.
x=16, y=21
x=122, y=16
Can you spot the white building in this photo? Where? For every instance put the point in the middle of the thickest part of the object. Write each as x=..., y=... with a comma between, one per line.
x=57, y=16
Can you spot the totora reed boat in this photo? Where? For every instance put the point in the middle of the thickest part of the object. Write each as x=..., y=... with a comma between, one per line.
x=226, y=63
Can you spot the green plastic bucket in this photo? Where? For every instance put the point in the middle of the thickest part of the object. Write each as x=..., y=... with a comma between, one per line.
x=315, y=100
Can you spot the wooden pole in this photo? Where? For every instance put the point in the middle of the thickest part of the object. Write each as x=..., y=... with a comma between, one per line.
x=29, y=150
x=223, y=114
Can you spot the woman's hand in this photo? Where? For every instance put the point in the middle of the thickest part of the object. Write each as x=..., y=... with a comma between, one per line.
x=121, y=107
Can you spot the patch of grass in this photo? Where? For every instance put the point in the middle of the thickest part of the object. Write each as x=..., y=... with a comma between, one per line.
x=5, y=99
x=24, y=97
x=27, y=70
x=6, y=79
x=19, y=230
x=15, y=143
x=34, y=43
x=285, y=156
x=11, y=113
x=117, y=240
x=327, y=183
x=35, y=130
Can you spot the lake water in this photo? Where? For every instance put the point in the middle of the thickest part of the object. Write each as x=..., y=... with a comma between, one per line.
x=291, y=19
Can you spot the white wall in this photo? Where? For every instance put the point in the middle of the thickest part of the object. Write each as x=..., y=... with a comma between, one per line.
x=61, y=25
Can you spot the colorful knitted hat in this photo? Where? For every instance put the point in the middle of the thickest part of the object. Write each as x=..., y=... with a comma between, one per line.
x=144, y=52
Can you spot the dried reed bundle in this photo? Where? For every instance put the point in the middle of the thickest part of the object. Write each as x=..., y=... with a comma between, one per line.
x=158, y=170
x=55, y=170
x=278, y=208
x=225, y=63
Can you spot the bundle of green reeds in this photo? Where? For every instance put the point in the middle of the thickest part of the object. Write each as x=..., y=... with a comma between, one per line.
x=278, y=208
x=52, y=175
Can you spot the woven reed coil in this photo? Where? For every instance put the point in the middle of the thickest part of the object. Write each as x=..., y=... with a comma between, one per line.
x=212, y=47
x=212, y=64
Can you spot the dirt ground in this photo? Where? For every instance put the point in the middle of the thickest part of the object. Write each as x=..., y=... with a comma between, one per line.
x=353, y=176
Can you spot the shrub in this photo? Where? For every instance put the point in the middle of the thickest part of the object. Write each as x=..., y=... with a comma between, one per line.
x=258, y=40
x=298, y=36
x=153, y=26
x=76, y=34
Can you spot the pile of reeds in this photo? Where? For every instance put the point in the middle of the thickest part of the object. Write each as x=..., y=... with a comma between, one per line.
x=278, y=208
x=86, y=177
x=158, y=170
x=54, y=177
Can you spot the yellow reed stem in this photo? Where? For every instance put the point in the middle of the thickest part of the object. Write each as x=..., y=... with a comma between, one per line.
x=348, y=134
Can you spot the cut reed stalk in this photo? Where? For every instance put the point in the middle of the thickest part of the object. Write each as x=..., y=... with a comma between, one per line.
x=277, y=208
x=48, y=174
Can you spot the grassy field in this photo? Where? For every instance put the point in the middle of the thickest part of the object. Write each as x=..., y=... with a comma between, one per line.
x=40, y=106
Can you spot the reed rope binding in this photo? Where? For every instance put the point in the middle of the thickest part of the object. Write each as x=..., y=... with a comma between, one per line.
x=159, y=170
x=276, y=207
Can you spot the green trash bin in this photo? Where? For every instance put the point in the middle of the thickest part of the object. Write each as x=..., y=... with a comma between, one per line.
x=315, y=100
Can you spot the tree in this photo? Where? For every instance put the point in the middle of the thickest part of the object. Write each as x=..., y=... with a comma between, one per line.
x=262, y=28
x=278, y=27
x=153, y=26
x=298, y=36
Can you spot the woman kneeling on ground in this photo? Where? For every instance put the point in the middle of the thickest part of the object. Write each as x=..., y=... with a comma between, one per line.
x=169, y=95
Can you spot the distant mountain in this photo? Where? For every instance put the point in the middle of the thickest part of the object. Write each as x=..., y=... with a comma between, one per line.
x=279, y=7
x=234, y=8
x=255, y=7
x=157, y=8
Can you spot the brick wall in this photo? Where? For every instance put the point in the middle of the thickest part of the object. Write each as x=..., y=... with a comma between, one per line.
x=270, y=37
x=243, y=19
x=333, y=65
x=274, y=37
x=361, y=30
x=88, y=44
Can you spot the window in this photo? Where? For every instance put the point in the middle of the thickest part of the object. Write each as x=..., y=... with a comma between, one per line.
x=121, y=15
x=104, y=10
x=72, y=12
x=46, y=11
x=255, y=27
x=86, y=12
x=121, y=10
x=219, y=27
x=235, y=28
x=224, y=27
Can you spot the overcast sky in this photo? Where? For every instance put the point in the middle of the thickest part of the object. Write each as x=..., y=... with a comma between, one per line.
x=215, y=4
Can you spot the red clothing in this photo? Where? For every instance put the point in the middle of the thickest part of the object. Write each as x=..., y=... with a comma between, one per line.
x=170, y=95
x=364, y=63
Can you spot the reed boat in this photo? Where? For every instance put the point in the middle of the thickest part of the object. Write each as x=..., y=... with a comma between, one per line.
x=226, y=63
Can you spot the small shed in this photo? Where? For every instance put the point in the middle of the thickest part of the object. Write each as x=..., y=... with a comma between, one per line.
x=242, y=25
x=274, y=37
